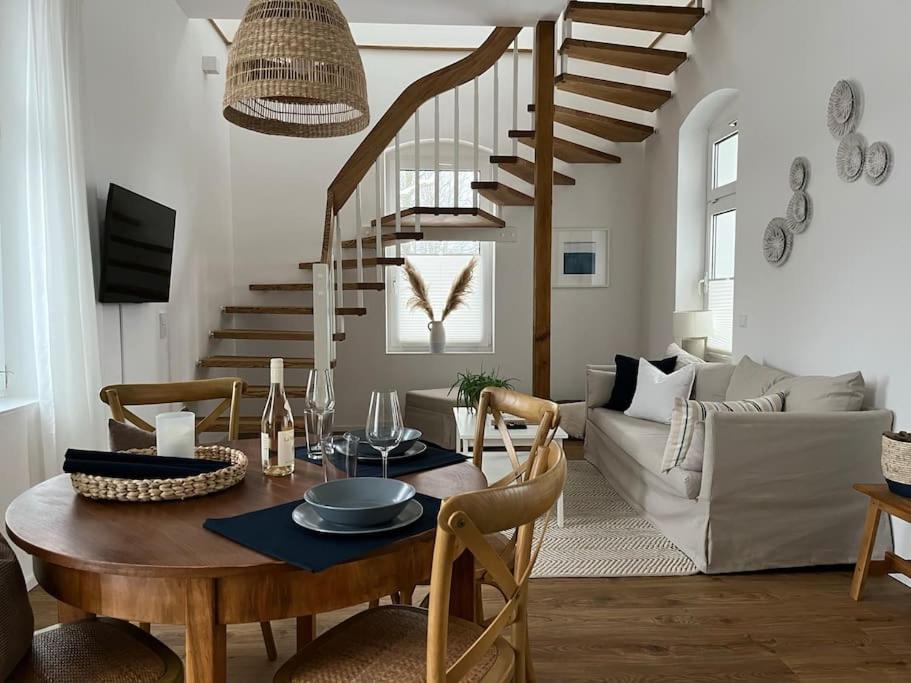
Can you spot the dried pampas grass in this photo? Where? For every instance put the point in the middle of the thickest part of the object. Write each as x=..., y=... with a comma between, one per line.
x=420, y=297
x=461, y=288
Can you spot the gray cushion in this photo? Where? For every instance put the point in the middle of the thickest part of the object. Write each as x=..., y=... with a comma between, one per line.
x=644, y=442
x=712, y=381
x=123, y=437
x=16, y=619
x=751, y=380
x=818, y=394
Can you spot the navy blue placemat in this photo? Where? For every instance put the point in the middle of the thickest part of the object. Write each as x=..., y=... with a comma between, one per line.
x=430, y=459
x=272, y=532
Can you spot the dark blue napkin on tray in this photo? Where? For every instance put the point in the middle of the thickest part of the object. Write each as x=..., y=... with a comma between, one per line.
x=272, y=532
x=430, y=459
x=136, y=465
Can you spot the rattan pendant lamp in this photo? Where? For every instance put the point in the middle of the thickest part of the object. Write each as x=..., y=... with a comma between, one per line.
x=294, y=70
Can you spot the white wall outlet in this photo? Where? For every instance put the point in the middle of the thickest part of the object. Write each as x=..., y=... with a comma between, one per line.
x=507, y=235
x=162, y=325
x=742, y=320
x=210, y=65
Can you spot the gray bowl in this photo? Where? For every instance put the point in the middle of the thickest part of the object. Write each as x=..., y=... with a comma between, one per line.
x=408, y=438
x=363, y=501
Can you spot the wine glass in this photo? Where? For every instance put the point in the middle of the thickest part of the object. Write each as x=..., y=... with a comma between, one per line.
x=384, y=424
x=320, y=400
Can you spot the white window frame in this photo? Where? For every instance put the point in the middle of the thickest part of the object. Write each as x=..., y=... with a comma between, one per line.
x=4, y=370
x=718, y=201
x=395, y=280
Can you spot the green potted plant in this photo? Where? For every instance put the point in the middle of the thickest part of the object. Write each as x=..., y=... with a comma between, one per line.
x=471, y=384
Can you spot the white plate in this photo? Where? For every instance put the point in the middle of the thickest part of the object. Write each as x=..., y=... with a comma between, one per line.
x=418, y=448
x=305, y=516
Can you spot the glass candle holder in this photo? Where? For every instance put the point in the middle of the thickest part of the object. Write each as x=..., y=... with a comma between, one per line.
x=175, y=434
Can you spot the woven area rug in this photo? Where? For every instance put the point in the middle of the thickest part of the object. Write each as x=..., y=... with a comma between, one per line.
x=603, y=536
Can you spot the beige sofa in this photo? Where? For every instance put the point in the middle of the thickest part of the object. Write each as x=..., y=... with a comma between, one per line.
x=775, y=488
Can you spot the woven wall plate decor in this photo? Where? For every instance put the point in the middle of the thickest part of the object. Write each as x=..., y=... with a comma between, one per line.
x=800, y=212
x=843, y=113
x=799, y=175
x=294, y=69
x=777, y=242
x=877, y=163
x=849, y=159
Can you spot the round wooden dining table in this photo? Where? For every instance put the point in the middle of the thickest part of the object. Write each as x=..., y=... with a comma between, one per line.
x=154, y=562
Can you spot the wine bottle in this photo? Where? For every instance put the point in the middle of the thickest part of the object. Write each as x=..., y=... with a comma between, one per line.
x=277, y=430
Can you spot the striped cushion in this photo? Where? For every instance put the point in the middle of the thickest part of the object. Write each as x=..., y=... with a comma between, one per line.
x=687, y=436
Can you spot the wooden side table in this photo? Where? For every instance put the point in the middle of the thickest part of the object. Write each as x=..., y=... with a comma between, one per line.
x=881, y=500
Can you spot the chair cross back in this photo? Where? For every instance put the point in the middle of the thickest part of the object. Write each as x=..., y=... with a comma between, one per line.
x=228, y=389
x=464, y=520
x=498, y=401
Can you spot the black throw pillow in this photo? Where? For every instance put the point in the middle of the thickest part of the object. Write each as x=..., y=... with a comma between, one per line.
x=621, y=397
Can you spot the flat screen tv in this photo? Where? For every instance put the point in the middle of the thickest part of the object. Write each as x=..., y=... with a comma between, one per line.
x=137, y=243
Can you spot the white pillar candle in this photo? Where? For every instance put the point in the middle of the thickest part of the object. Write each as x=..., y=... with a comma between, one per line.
x=175, y=434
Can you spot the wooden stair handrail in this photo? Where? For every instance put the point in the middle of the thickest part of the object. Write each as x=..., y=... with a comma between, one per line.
x=405, y=105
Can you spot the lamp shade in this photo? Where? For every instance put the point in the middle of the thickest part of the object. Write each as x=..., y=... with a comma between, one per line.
x=693, y=324
x=293, y=69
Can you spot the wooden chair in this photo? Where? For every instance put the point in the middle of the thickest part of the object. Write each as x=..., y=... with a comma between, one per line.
x=397, y=643
x=90, y=650
x=229, y=389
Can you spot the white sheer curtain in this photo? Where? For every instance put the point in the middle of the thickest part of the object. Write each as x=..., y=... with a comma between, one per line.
x=64, y=329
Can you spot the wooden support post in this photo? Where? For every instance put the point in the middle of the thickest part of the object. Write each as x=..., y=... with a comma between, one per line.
x=544, y=203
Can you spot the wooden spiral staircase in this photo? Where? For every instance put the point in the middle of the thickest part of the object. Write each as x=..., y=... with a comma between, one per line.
x=353, y=264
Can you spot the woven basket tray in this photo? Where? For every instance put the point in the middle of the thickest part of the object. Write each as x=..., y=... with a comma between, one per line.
x=157, y=490
x=897, y=457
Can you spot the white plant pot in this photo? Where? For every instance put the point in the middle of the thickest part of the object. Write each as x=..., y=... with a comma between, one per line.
x=437, y=336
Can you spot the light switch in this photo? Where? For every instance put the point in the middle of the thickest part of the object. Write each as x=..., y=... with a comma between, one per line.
x=162, y=325
x=742, y=320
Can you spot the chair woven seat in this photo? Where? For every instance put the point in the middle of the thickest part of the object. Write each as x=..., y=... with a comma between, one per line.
x=97, y=650
x=389, y=644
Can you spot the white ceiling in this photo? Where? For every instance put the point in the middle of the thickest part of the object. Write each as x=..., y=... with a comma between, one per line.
x=456, y=12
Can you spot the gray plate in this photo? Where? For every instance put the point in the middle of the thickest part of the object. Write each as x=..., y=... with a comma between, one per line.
x=409, y=437
x=305, y=516
x=418, y=448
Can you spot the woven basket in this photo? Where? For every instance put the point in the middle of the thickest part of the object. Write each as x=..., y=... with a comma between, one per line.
x=897, y=457
x=157, y=490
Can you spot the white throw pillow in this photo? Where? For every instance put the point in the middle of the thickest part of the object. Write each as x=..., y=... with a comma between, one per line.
x=686, y=440
x=656, y=392
x=684, y=358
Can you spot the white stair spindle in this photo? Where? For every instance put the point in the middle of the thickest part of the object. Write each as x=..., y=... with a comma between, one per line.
x=340, y=274
x=359, y=245
x=567, y=33
x=417, y=167
x=477, y=155
x=455, y=161
x=436, y=150
x=398, y=188
x=496, y=117
x=378, y=232
x=515, y=94
x=322, y=315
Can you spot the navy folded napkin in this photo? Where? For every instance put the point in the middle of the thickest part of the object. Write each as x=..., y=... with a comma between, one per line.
x=272, y=532
x=430, y=459
x=136, y=465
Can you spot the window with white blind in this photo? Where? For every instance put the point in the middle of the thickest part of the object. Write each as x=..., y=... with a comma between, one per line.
x=468, y=329
x=718, y=283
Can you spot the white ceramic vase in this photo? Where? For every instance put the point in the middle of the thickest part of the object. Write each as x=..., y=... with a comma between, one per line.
x=437, y=336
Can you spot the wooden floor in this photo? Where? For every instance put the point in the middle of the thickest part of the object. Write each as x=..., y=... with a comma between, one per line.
x=771, y=626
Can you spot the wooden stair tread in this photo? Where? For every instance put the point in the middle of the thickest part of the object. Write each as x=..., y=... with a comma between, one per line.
x=287, y=310
x=523, y=169
x=570, y=152
x=277, y=335
x=250, y=425
x=501, y=194
x=445, y=217
x=308, y=286
x=626, y=94
x=607, y=127
x=262, y=391
x=253, y=362
x=370, y=262
x=640, y=58
x=662, y=19
x=388, y=238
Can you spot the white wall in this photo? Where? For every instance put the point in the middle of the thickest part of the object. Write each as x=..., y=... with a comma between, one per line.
x=838, y=304
x=279, y=190
x=153, y=124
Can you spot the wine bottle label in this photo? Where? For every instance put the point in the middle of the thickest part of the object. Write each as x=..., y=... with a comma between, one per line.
x=286, y=447
x=264, y=448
